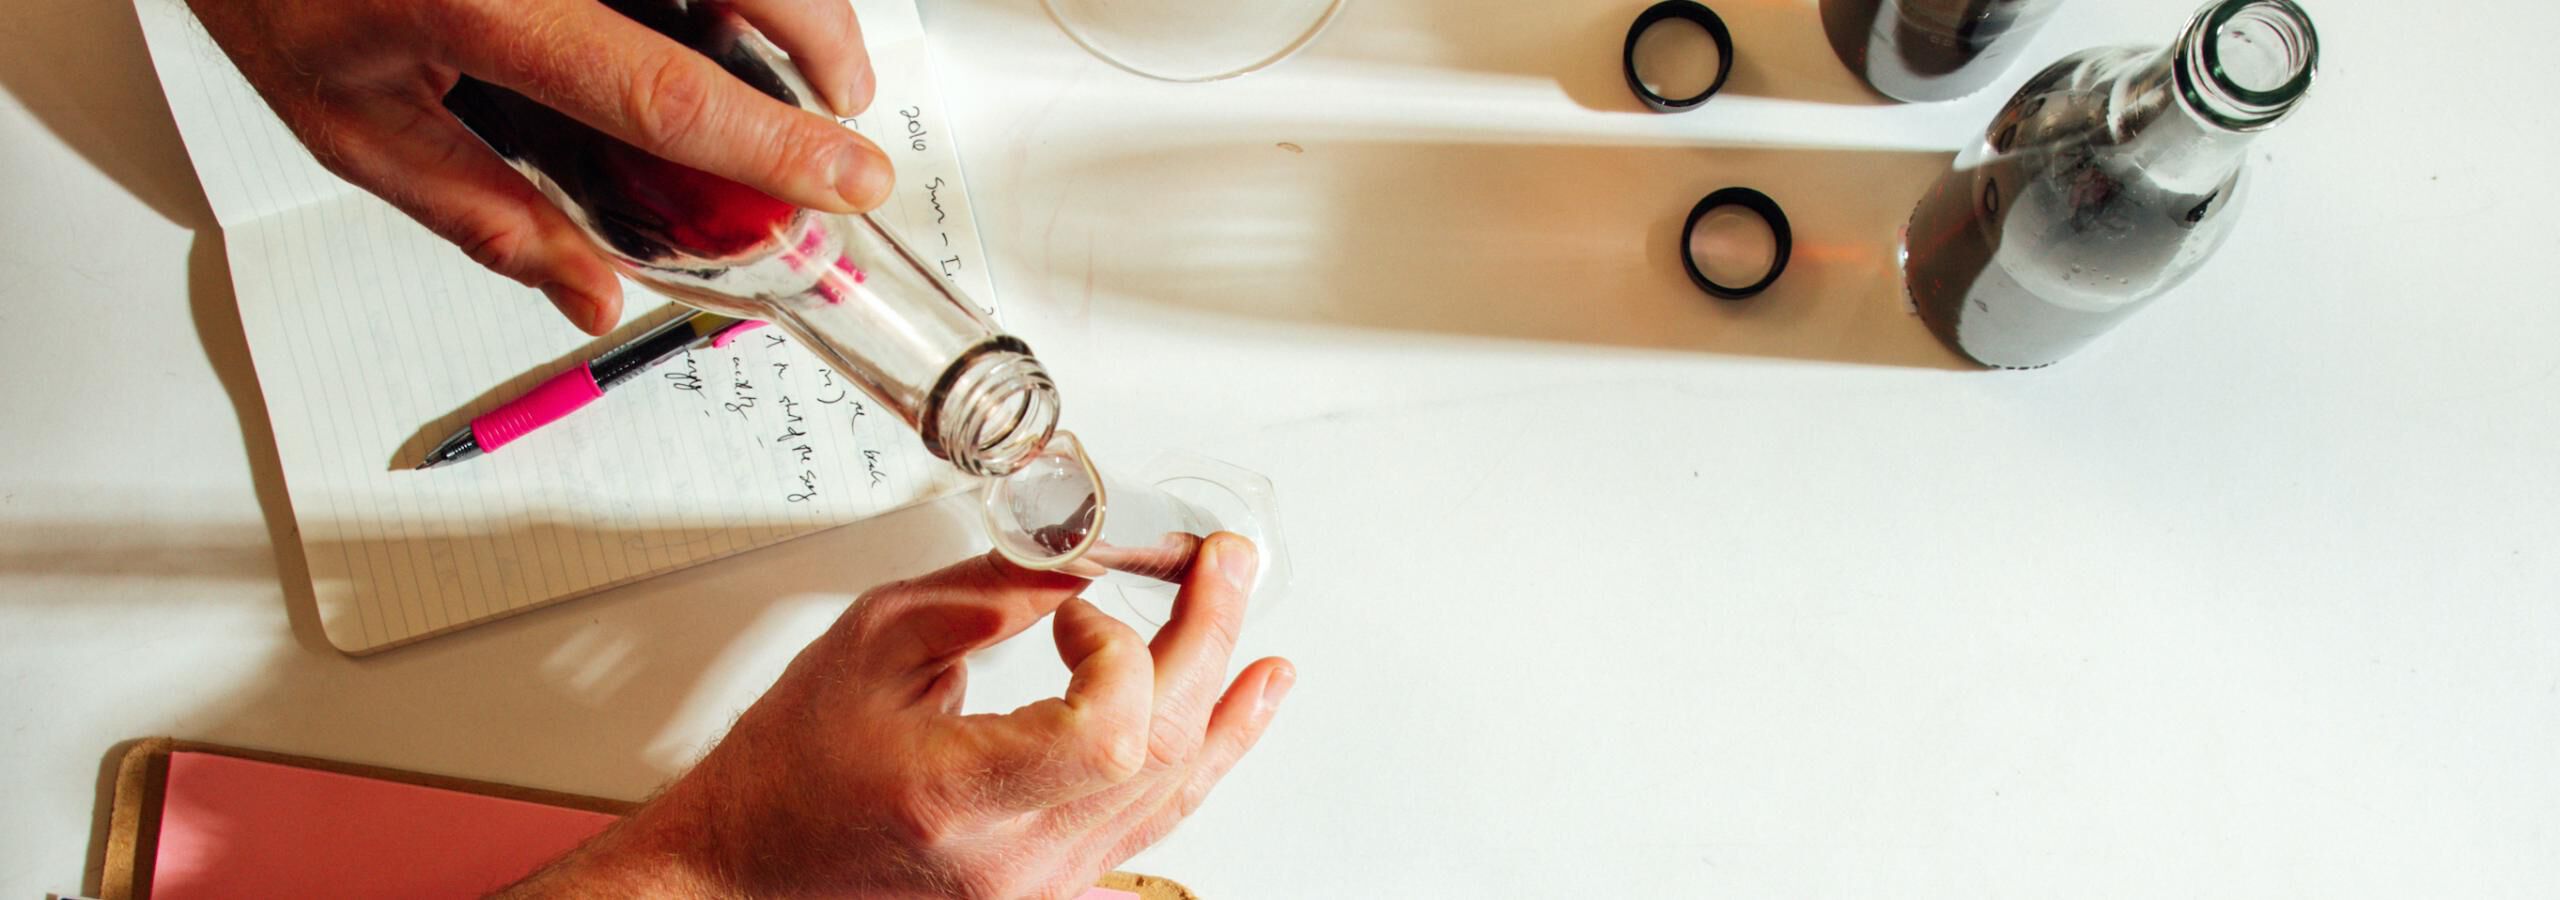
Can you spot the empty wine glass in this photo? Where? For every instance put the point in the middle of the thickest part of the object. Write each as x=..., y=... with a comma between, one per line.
x=1193, y=40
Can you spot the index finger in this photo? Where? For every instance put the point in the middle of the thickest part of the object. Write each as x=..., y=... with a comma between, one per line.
x=1192, y=650
x=643, y=88
x=931, y=621
x=824, y=40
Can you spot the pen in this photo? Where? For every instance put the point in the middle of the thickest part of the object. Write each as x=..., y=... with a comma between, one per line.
x=566, y=392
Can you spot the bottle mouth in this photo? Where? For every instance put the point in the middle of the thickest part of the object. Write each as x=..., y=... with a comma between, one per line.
x=2247, y=63
x=995, y=413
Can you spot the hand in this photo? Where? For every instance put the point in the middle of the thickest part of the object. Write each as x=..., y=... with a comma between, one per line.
x=358, y=81
x=856, y=776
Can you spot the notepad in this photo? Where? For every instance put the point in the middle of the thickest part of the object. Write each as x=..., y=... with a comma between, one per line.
x=240, y=828
x=368, y=333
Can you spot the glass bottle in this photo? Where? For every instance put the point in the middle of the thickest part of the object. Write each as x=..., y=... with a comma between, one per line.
x=2106, y=181
x=1925, y=50
x=844, y=285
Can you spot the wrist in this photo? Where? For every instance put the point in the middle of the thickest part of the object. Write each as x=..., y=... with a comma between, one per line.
x=661, y=851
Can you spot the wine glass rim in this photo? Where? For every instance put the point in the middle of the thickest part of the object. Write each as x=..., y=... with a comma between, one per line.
x=1313, y=30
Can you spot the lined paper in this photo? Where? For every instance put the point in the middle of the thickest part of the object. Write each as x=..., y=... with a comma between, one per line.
x=369, y=332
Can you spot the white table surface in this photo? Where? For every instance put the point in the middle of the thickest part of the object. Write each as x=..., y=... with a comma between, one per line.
x=1603, y=589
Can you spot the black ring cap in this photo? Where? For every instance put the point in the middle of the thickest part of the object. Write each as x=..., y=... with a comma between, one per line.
x=1694, y=12
x=1759, y=204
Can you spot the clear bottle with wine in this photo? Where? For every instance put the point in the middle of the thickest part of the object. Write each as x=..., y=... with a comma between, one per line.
x=845, y=285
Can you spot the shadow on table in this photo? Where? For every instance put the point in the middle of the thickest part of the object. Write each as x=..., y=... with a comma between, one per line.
x=86, y=74
x=584, y=696
x=80, y=68
x=1780, y=50
x=1564, y=243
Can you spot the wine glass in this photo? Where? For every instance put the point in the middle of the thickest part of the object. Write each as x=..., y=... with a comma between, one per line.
x=1193, y=40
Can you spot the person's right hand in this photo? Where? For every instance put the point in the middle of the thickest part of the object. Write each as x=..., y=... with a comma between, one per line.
x=360, y=83
x=857, y=776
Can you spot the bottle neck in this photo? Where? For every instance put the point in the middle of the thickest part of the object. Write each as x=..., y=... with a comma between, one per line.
x=993, y=411
x=2187, y=114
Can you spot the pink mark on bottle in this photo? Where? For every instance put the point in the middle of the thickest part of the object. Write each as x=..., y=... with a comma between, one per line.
x=832, y=285
x=803, y=255
x=552, y=401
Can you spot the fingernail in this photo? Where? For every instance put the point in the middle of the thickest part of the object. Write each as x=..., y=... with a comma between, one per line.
x=1235, y=558
x=1276, y=688
x=862, y=177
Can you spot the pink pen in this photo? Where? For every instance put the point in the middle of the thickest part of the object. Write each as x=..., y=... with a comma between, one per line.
x=572, y=390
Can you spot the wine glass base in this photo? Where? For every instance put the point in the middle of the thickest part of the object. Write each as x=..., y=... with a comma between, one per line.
x=1234, y=500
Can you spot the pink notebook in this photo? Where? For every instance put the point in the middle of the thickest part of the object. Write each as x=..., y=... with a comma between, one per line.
x=238, y=828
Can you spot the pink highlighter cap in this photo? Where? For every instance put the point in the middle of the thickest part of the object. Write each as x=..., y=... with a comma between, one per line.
x=565, y=393
x=730, y=335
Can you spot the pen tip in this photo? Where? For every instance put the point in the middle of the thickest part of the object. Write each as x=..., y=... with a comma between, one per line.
x=423, y=466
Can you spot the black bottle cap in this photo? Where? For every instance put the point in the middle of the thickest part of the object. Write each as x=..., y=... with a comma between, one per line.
x=1691, y=11
x=1757, y=204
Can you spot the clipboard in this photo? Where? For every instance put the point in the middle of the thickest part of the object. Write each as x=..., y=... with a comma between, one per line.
x=132, y=846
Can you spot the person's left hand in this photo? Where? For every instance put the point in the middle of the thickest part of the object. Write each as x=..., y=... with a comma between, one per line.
x=857, y=776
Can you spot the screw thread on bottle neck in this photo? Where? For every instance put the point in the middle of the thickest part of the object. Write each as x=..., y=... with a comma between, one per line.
x=993, y=411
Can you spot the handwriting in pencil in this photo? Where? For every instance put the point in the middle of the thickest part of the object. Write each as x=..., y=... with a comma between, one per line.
x=744, y=399
x=691, y=378
x=916, y=132
x=791, y=420
x=827, y=381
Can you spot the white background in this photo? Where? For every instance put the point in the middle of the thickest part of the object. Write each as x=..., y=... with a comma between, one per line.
x=1603, y=589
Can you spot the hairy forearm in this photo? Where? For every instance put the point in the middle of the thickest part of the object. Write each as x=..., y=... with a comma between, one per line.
x=661, y=852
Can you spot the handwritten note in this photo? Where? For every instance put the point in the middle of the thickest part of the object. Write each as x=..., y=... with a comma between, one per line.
x=812, y=424
x=942, y=230
x=366, y=328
